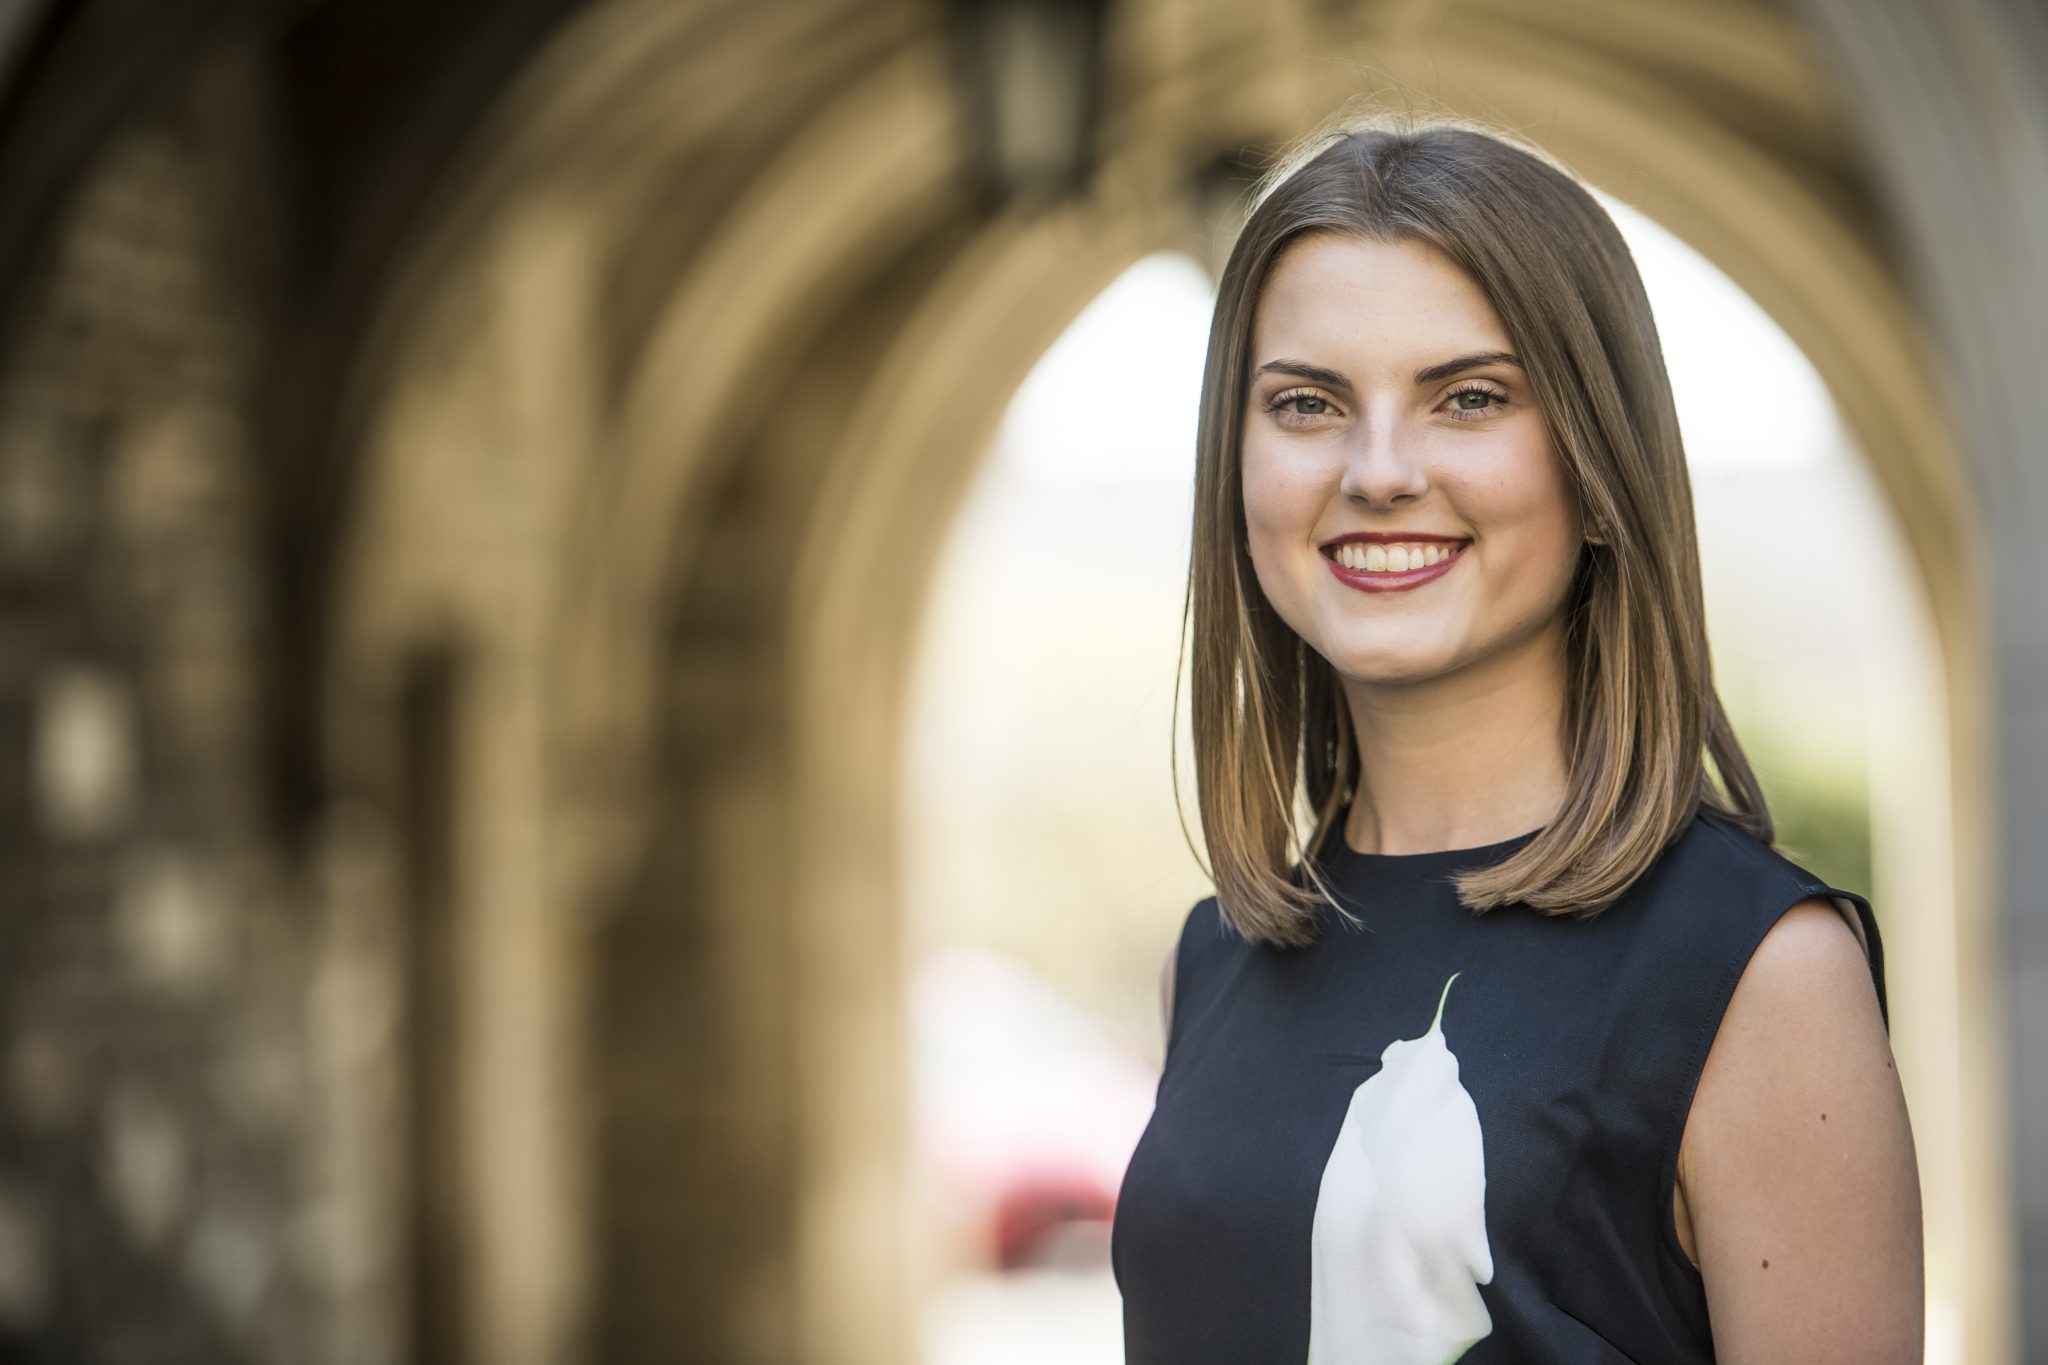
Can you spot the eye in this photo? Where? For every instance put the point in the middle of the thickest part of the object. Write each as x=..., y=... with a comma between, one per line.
x=1287, y=415
x=1460, y=410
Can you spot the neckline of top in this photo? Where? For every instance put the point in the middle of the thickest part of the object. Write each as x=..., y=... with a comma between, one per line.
x=1430, y=860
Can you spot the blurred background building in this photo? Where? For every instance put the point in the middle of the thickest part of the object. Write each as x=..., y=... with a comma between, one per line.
x=588, y=598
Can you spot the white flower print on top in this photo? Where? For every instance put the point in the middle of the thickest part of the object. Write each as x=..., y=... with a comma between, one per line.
x=1400, y=1245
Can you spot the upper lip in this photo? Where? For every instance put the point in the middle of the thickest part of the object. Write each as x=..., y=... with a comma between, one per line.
x=1391, y=538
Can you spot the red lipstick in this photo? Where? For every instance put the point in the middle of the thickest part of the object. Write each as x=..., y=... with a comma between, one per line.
x=1384, y=581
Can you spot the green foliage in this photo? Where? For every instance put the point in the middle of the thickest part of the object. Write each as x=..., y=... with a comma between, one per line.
x=1823, y=820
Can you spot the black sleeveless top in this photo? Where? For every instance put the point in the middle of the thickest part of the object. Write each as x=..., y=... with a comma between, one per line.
x=1444, y=1136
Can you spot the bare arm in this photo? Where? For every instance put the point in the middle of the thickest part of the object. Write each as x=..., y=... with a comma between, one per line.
x=1798, y=1166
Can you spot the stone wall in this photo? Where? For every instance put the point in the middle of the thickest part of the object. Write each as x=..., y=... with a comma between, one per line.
x=154, y=958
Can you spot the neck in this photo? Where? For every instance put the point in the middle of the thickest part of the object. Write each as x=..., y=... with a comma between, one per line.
x=1464, y=760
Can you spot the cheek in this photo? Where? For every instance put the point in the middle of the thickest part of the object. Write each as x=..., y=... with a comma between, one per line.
x=1554, y=518
x=1529, y=518
x=1280, y=510
x=1282, y=501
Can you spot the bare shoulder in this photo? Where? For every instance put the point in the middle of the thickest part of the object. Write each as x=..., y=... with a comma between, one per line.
x=1797, y=1162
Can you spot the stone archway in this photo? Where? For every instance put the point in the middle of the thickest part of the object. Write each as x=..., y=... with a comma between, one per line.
x=697, y=494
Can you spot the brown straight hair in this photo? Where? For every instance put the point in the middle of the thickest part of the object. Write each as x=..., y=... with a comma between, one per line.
x=1272, y=733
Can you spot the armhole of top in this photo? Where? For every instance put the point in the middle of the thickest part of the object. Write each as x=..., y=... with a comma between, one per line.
x=1863, y=924
x=1177, y=988
x=1855, y=921
x=1169, y=998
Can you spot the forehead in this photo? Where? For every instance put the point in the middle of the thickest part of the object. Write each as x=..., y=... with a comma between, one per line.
x=1337, y=299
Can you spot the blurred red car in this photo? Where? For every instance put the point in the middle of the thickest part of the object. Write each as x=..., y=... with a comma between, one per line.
x=1026, y=1110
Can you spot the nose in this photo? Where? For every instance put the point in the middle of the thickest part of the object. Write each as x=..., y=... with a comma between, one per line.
x=1382, y=469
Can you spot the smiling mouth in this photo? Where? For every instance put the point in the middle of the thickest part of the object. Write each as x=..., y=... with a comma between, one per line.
x=1374, y=557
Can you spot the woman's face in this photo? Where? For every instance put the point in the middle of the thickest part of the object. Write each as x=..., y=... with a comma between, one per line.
x=1384, y=404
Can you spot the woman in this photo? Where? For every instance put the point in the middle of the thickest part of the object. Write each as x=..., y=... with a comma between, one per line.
x=1533, y=1049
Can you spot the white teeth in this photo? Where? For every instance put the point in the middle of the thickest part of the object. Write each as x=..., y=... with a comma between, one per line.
x=1374, y=558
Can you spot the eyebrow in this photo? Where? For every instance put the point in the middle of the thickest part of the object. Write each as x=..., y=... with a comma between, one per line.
x=1427, y=375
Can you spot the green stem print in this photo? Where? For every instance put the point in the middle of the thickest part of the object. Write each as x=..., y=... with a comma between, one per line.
x=1400, y=1246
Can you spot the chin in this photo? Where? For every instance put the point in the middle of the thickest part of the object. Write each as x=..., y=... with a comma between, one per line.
x=1390, y=667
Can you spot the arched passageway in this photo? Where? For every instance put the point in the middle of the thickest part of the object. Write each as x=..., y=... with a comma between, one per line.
x=648, y=428
x=742, y=476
